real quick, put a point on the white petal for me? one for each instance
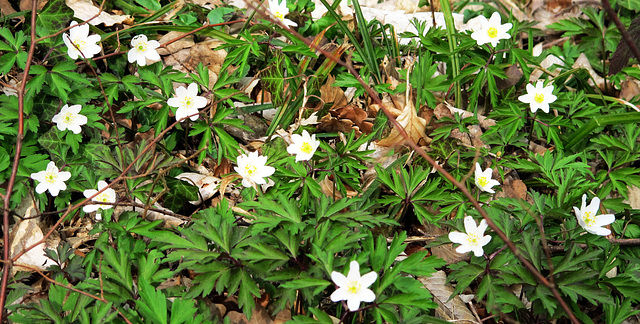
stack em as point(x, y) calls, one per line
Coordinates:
point(368, 279)
point(482, 227)
point(469, 225)
point(353, 303)
point(478, 251)
point(457, 237)
point(354, 271)
point(462, 249)
point(89, 192)
point(193, 89)
point(339, 279)
point(42, 187)
point(64, 175)
point(90, 208)
point(339, 294)
point(366, 295)
point(605, 219)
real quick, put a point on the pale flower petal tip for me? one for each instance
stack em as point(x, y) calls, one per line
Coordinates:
point(303, 146)
point(483, 179)
point(107, 196)
point(474, 240)
point(353, 288)
point(188, 102)
point(79, 43)
point(70, 118)
point(588, 220)
point(253, 169)
point(491, 31)
point(538, 97)
point(278, 9)
point(51, 179)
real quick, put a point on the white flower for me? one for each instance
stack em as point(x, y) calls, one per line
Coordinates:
point(474, 240)
point(85, 46)
point(491, 31)
point(187, 101)
point(108, 195)
point(483, 179)
point(51, 179)
point(353, 288)
point(538, 97)
point(252, 168)
point(589, 221)
point(142, 49)
point(69, 118)
point(303, 146)
point(279, 10)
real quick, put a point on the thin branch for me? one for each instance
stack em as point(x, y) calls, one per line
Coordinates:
point(16, 161)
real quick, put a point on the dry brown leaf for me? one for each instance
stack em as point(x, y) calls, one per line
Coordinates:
point(634, 197)
point(513, 188)
point(583, 62)
point(450, 310)
point(629, 88)
point(331, 94)
point(84, 9)
point(25, 234)
point(6, 8)
point(411, 123)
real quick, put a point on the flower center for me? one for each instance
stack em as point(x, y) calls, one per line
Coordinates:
point(538, 97)
point(306, 148)
point(353, 287)
point(68, 118)
point(279, 15)
point(187, 102)
point(492, 32)
point(589, 219)
point(80, 44)
point(482, 181)
point(142, 47)
point(250, 169)
point(472, 239)
point(102, 198)
point(50, 177)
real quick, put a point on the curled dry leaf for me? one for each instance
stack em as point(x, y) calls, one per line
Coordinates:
point(583, 62)
point(85, 9)
point(411, 123)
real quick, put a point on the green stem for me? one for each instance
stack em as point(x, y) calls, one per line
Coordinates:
point(451, 36)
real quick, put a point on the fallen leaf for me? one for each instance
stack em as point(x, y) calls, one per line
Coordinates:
point(207, 185)
point(411, 123)
point(84, 10)
point(450, 310)
point(25, 234)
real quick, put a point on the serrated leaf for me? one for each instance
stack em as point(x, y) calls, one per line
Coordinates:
point(54, 16)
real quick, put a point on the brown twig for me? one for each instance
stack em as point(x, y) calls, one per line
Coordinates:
point(16, 161)
point(374, 97)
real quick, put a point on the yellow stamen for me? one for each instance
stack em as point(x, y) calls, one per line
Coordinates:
point(306, 148)
point(250, 169)
point(472, 239)
point(589, 219)
point(353, 287)
point(538, 97)
point(492, 32)
point(482, 181)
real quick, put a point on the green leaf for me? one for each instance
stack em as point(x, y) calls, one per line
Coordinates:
point(182, 311)
point(54, 16)
point(150, 4)
point(153, 303)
